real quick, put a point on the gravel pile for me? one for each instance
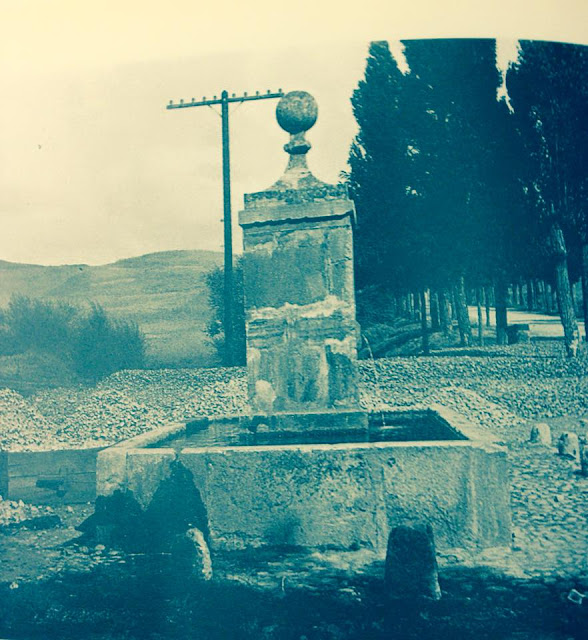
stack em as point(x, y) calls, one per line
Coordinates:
point(22, 424)
point(533, 381)
point(502, 389)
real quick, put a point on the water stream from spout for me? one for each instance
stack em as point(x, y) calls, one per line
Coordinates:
point(376, 376)
point(204, 563)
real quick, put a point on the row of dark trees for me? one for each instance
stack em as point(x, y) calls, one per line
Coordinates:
point(458, 191)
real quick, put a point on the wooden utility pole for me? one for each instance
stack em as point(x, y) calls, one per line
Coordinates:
point(224, 101)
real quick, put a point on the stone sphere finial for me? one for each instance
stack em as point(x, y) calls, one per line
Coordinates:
point(296, 112)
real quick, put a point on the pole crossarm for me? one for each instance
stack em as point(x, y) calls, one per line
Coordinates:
point(224, 101)
point(233, 98)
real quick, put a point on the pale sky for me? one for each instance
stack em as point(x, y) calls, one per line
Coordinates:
point(94, 168)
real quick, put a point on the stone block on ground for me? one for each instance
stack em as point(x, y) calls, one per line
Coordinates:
point(584, 458)
point(541, 434)
point(568, 445)
point(411, 563)
point(518, 333)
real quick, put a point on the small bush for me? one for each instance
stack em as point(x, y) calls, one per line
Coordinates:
point(103, 346)
point(36, 324)
point(89, 344)
point(215, 329)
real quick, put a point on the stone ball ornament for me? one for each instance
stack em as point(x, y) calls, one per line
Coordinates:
point(296, 112)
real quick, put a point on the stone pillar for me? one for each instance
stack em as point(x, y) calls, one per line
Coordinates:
point(299, 291)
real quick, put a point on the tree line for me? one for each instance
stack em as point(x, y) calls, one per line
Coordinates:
point(470, 180)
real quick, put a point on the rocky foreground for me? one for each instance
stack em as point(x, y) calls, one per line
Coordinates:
point(502, 388)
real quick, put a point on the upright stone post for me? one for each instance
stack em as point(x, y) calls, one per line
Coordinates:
point(299, 291)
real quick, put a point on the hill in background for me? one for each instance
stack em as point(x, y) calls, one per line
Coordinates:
point(164, 293)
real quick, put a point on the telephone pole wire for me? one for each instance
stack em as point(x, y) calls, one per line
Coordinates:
point(224, 101)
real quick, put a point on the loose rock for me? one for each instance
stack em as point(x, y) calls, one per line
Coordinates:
point(541, 434)
point(584, 459)
point(568, 445)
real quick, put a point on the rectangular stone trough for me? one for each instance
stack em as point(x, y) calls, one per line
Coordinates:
point(328, 490)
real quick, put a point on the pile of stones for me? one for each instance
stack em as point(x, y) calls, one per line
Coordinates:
point(502, 391)
point(21, 424)
point(14, 513)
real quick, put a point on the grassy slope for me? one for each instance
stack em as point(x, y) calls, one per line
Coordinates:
point(163, 292)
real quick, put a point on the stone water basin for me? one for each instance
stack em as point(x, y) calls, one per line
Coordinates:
point(385, 426)
point(327, 488)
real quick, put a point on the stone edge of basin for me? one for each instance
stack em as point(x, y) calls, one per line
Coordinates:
point(474, 436)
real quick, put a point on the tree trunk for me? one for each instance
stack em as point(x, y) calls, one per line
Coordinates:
point(501, 306)
point(444, 312)
point(585, 288)
point(417, 306)
point(463, 319)
point(393, 307)
point(404, 306)
point(532, 295)
point(487, 303)
point(564, 291)
point(541, 296)
point(549, 298)
point(434, 305)
point(424, 327)
point(480, 318)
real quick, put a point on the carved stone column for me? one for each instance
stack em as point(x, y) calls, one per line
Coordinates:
point(299, 291)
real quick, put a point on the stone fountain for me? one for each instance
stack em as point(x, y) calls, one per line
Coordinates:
point(307, 466)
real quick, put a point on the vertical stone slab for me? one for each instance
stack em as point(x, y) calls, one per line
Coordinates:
point(298, 278)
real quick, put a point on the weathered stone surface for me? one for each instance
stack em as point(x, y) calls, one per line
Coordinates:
point(300, 311)
point(541, 434)
point(349, 495)
point(411, 563)
point(146, 470)
point(297, 111)
point(164, 514)
point(111, 470)
point(568, 445)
